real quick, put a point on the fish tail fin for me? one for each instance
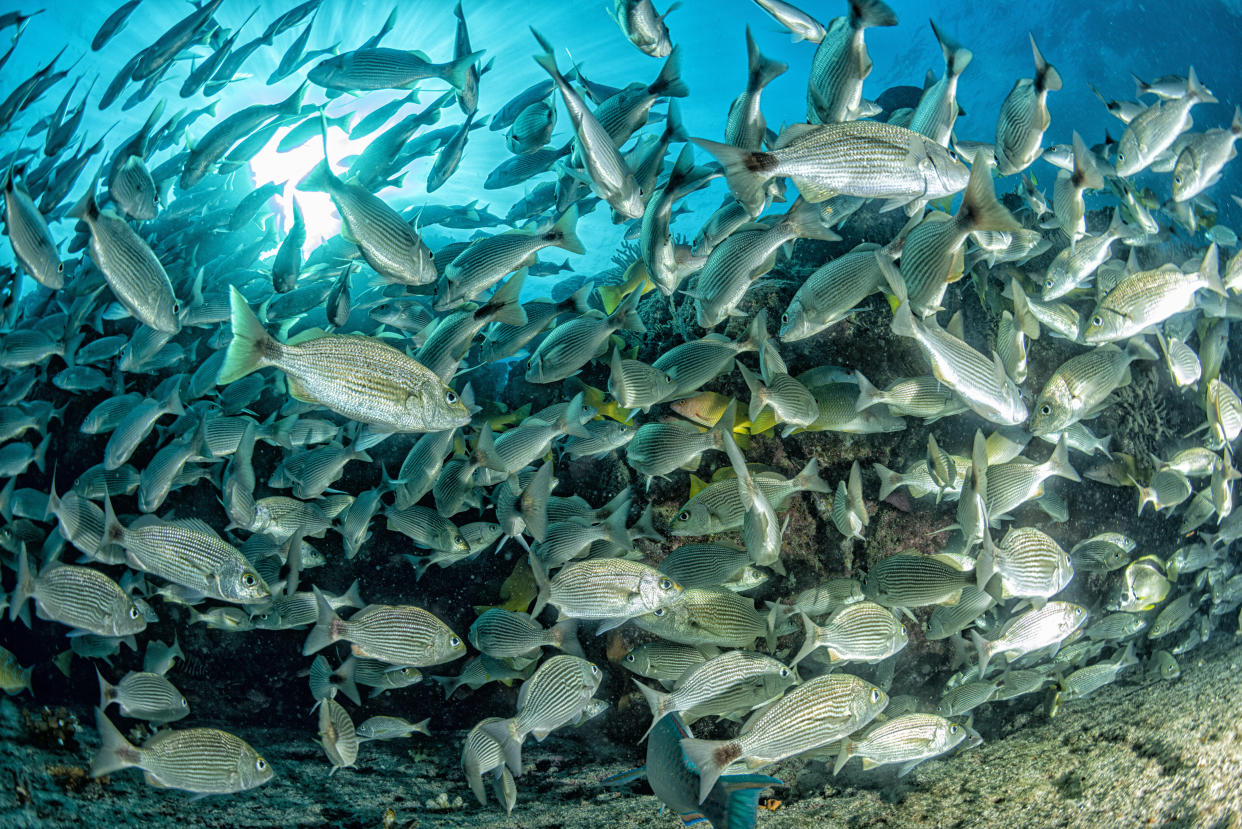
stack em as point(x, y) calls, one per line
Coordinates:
point(657, 701)
point(564, 635)
point(293, 104)
point(318, 179)
point(547, 59)
point(543, 584)
point(326, 629)
point(756, 334)
point(867, 393)
point(577, 416)
point(889, 480)
point(107, 691)
point(1198, 91)
point(724, 425)
point(1235, 126)
point(85, 209)
point(758, 394)
point(251, 347)
point(668, 84)
point(505, 732)
point(564, 233)
point(746, 172)
point(1085, 172)
point(805, 219)
point(760, 70)
point(983, 647)
point(711, 757)
point(867, 13)
point(843, 756)
point(113, 532)
point(810, 639)
point(25, 586)
point(956, 56)
point(626, 314)
point(674, 127)
point(1127, 658)
point(535, 510)
point(347, 683)
point(505, 305)
point(1209, 270)
point(980, 210)
point(457, 73)
point(1059, 463)
point(985, 565)
point(116, 752)
point(1046, 75)
point(320, 678)
point(808, 479)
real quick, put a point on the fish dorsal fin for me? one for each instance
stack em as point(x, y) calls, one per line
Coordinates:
point(956, 327)
point(791, 133)
point(194, 524)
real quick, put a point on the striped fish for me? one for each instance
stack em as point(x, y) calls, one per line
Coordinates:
point(505, 634)
point(924, 397)
point(385, 240)
point(704, 565)
point(663, 661)
point(426, 528)
point(131, 268)
point(357, 377)
point(1067, 201)
point(981, 383)
point(909, 739)
point(1010, 485)
point(228, 131)
point(1074, 265)
point(859, 632)
point(337, 735)
point(554, 696)
point(636, 385)
point(831, 293)
point(187, 552)
point(199, 760)
point(868, 159)
point(947, 620)
point(1081, 384)
point(482, 755)
point(735, 264)
point(841, 63)
point(571, 345)
point(731, 684)
point(1028, 562)
point(1024, 117)
point(612, 590)
point(1035, 629)
point(967, 697)
point(658, 448)
point(937, 109)
point(382, 68)
point(718, 507)
point(1011, 346)
point(708, 616)
point(486, 261)
point(28, 233)
point(746, 126)
point(915, 580)
point(1147, 298)
point(397, 634)
point(693, 363)
point(145, 696)
point(82, 598)
point(811, 716)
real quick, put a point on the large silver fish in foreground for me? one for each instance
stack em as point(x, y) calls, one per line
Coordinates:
point(358, 377)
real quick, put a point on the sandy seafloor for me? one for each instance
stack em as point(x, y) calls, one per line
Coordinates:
point(1142, 752)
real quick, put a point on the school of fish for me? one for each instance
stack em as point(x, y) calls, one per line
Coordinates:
point(162, 337)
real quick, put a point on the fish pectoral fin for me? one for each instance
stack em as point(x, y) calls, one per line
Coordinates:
point(606, 625)
point(298, 391)
point(811, 190)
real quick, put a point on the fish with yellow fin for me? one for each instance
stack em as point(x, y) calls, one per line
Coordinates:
point(635, 278)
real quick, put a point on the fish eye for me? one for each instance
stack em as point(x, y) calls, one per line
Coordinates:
point(875, 695)
point(903, 630)
point(260, 764)
point(184, 704)
point(785, 317)
point(666, 584)
point(594, 669)
point(1097, 320)
point(684, 515)
point(60, 267)
point(629, 657)
point(784, 672)
point(133, 612)
point(176, 308)
point(659, 612)
point(1048, 282)
point(1045, 409)
point(953, 729)
point(454, 642)
point(248, 579)
point(450, 397)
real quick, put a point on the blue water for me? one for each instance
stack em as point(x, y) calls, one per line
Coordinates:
point(1095, 42)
